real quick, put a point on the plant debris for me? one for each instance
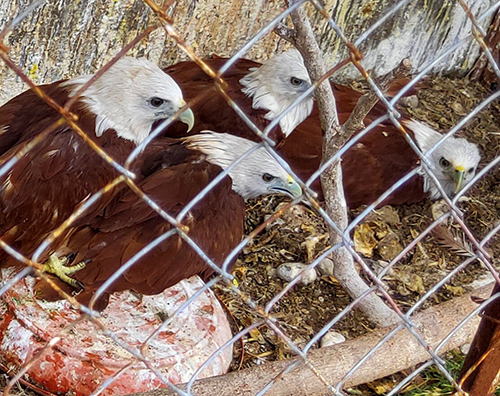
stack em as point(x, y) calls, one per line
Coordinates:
point(300, 235)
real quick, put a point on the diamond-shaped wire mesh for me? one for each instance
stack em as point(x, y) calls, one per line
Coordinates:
point(272, 353)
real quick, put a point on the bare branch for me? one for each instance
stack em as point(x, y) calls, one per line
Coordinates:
point(331, 178)
point(285, 33)
point(313, 60)
point(367, 101)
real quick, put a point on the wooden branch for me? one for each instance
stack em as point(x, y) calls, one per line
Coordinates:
point(366, 103)
point(285, 33)
point(307, 45)
point(488, 370)
point(480, 372)
point(482, 70)
point(331, 178)
point(400, 352)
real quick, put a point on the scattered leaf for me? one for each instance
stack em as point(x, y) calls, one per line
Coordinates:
point(364, 240)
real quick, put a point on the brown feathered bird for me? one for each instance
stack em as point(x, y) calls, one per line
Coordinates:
point(172, 173)
point(370, 167)
point(262, 92)
point(43, 188)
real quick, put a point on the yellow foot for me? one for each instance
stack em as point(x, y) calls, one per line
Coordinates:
point(57, 266)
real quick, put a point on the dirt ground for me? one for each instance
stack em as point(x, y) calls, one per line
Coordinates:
point(302, 312)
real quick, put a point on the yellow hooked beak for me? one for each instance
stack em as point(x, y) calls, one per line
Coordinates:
point(294, 188)
point(458, 177)
point(290, 187)
point(187, 117)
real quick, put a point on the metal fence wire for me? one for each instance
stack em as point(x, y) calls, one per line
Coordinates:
point(303, 368)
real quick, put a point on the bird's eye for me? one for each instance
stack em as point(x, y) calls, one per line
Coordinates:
point(267, 177)
point(444, 162)
point(156, 102)
point(471, 171)
point(296, 81)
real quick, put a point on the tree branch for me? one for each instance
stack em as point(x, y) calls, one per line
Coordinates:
point(366, 103)
point(285, 33)
point(331, 178)
point(401, 352)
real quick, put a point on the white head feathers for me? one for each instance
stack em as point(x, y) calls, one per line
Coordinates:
point(130, 97)
point(454, 162)
point(255, 175)
point(276, 85)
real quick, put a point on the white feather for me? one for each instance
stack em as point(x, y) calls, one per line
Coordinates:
point(459, 152)
point(223, 149)
point(120, 97)
point(270, 88)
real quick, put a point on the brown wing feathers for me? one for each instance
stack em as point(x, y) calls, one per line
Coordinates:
point(130, 224)
point(370, 167)
point(382, 156)
point(45, 185)
point(211, 108)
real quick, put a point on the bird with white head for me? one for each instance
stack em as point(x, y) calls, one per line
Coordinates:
point(117, 111)
point(370, 167)
point(282, 79)
point(130, 97)
point(224, 149)
point(276, 85)
point(174, 172)
point(453, 162)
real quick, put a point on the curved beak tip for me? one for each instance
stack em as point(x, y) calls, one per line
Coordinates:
point(187, 117)
point(295, 190)
point(290, 188)
point(458, 177)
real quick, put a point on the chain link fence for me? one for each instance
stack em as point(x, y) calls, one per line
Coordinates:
point(424, 330)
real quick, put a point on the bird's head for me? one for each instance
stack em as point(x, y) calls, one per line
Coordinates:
point(130, 97)
point(257, 174)
point(454, 162)
point(276, 84)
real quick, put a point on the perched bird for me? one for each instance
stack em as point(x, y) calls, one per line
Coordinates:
point(377, 161)
point(262, 91)
point(173, 172)
point(46, 184)
point(382, 157)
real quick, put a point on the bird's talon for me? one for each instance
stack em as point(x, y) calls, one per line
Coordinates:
point(56, 266)
point(71, 257)
point(78, 285)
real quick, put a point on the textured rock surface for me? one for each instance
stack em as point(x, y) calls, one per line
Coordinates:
point(65, 38)
point(289, 271)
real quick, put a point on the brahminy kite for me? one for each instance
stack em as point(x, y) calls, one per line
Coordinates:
point(377, 161)
point(173, 172)
point(43, 188)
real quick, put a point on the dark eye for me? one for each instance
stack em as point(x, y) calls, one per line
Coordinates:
point(471, 170)
point(444, 162)
point(296, 81)
point(156, 102)
point(267, 177)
